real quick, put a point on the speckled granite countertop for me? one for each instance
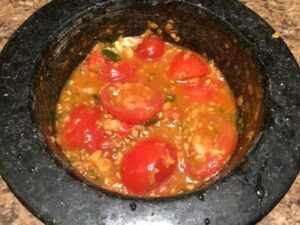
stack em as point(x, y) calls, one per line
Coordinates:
point(283, 15)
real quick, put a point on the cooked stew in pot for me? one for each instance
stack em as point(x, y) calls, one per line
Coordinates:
point(144, 117)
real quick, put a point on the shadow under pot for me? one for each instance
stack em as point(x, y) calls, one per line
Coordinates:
point(215, 40)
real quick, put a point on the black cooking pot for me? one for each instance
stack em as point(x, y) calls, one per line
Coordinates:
point(260, 69)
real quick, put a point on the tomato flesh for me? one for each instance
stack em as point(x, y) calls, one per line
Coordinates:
point(107, 70)
point(210, 165)
point(133, 103)
point(212, 144)
point(147, 165)
point(187, 65)
point(81, 130)
point(98, 64)
point(125, 129)
point(151, 48)
point(204, 89)
point(120, 72)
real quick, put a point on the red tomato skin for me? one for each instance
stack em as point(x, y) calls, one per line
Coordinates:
point(81, 130)
point(121, 71)
point(210, 167)
point(202, 90)
point(213, 162)
point(98, 64)
point(125, 129)
point(228, 140)
point(151, 48)
point(132, 116)
point(140, 163)
point(187, 65)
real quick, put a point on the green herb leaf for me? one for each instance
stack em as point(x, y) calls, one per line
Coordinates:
point(57, 117)
point(170, 98)
point(96, 179)
point(151, 121)
point(240, 124)
point(96, 98)
point(111, 55)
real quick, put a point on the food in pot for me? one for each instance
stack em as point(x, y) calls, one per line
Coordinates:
point(144, 117)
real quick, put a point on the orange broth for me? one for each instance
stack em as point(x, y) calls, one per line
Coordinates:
point(183, 121)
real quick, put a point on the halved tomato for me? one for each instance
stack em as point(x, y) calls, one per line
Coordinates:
point(81, 130)
point(98, 64)
point(209, 165)
point(109, 71)
point(121, 71)
point(187, 65)
point(133, 103)
point(147, 165)
point(203, 89)
point(212, 144)
point(151, 48)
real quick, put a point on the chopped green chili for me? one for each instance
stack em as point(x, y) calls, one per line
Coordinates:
point(96, 98)
point(170, 98)
point(240, 124)
point(111, 55)
point(152, 121)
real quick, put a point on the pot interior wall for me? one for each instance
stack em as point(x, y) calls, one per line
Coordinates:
point(197, 30)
